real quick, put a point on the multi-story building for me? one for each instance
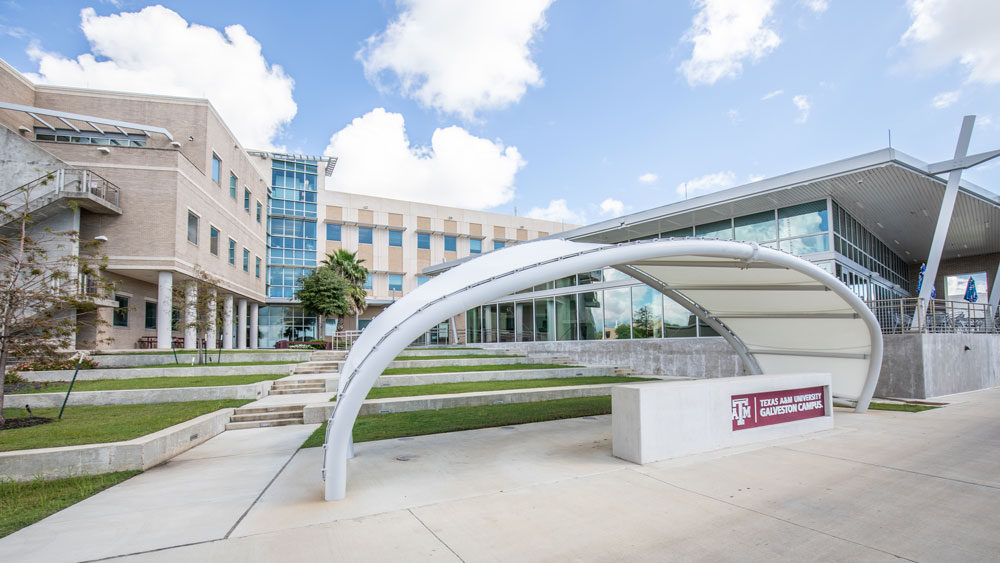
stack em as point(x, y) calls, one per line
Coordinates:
point(163, 181)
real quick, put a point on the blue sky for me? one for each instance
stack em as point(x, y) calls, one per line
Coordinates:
point(552, 108)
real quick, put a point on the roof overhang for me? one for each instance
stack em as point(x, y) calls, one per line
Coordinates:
point(94, 123)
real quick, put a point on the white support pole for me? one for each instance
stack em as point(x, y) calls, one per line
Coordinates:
point(994, 302)
point(190, 316)
point(164, 309)
point(210, 332)
point(943, 222)
point(241, 324)
point(253, 325)
point(227, 323)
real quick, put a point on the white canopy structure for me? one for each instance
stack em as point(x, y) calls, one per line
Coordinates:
point(780, 313)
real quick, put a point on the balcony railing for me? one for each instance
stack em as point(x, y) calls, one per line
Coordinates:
point(897, 316)
point(68, 182)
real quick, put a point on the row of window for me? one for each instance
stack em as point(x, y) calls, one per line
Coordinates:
point(106, 138)
point(857, 243)
point(233, 185)
point(365, 236)
point(193, 233)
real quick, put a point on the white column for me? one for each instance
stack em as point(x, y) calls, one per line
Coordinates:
point(253, 325)
point(190, 316)
point(991, 311)
point(164, 308)
point(210, 332)
point(227, 323)
point(943, 222)
point(241, 324)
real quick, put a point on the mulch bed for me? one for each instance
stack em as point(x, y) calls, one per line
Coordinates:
point(24, 422)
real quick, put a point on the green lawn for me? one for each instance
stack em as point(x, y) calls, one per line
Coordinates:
point(212, 352)
point(452, 369)
point(456, 357)
point(94, 425)
point(148, 383)
point(900, 407)
point(418, 423)
point(471, 386)
point(220, 364)
point(23, 504)
point(443, 348)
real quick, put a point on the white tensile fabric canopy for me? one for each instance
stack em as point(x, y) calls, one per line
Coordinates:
point(781, 314)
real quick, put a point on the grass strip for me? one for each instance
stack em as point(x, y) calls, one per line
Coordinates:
point(145, 383)
point(454, 369)
point(456, 357)
point(443, 348)
point(418, 423)
point(472, 386)
point(168, 352)
point(220, 364)
point(903, 407)
point(97, 425)
point(23, 504)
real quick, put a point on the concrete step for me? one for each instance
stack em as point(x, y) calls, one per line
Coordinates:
point(625, 372)
point(290, 415)
point(274, 409)
point(262, 424)
point(299, 391)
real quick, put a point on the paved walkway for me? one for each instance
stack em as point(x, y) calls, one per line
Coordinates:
point(880, 487)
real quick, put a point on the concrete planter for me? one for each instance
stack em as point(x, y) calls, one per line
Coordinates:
point(251, 391)
point(92, 459)
point(432, 362)
point(136, 373)
point(140, 360)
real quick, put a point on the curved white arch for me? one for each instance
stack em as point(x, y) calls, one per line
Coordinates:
point(706, 271)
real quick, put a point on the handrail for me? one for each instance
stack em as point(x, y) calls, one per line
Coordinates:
point(896, 316)
point(69, 181)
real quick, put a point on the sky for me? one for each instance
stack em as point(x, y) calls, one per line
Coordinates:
point(570, 110)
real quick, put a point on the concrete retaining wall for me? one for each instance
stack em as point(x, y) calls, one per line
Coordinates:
point(688, 357)
point(139, 360)
point(252, 391)
point(320, 413)
point(921, 366)
point(448, 352)
point(510, 375)
point(498, 361)
point(92, 459)
point(136, 373)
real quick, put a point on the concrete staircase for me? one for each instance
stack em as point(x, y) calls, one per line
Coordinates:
point(625, 372)
point(261, 417)
point(297, 386)
point(328, 356)
point(313, 367)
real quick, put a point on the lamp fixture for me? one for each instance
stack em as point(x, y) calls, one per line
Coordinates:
point(175, 144)
point(104, 150)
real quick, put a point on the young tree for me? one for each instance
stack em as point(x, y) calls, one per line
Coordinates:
point(48, 282)
point(205, 309)
point(351, 269)
point(325, 293)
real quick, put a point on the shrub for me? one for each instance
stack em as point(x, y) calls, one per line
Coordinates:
point(54, 364)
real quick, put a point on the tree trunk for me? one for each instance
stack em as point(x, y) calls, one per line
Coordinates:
point(3, 372)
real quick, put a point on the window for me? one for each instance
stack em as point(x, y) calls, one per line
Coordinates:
point(333, 232)
point(475, 246)
point(246, 200)
point(192, 228)
point(150, 315)
point(424, 240)
point(246, 260)
point(260, 211)
point(232, 252)
point(216, 168)
point(719, 229)
point(364, 235)
point(395, 238)
point(760, 227)
point(498, 244)
point(256, 266)
point(421, 280)
point(804, 219)
point(368, 282)
point(232, 185)
point(213, 240)
point(450, 243)
point(363, 323)
point(395, 282)
point(120, 315)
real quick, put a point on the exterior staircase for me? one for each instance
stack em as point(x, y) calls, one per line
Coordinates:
point(625, 372)
point(262, 417)
point(297, 386)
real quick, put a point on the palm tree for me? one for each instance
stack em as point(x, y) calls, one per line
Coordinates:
point(351, 268)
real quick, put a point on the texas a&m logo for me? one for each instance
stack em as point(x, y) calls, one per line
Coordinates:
point(741, 410)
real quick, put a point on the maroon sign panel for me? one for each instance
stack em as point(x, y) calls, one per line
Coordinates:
point(775, 407)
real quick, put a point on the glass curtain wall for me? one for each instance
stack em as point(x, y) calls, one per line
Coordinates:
point(591, 315)
point(545, 318)
point(618, 312)
point(474, 326)
point(524, 321)
point(566, 322)
point(506, 322)
point(647, 312)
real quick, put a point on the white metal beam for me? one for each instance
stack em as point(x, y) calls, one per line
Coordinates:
point(944, 221)
point(994, 301)
point(32, 111)
point(961, 163)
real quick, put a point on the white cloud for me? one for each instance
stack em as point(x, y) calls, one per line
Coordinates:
point(649, 178)
point(818, 6)
point(734, 116)
point(802, 104)
point(945, 99)
point(375, 157)
point(963, 30)
point(459, 56)
point(707, 183)
point(725, 33)
point(772, 94)
point(613, 207)
point(557, 211)
point(156, 51)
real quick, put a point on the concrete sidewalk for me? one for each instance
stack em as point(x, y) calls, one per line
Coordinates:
point(880, 487)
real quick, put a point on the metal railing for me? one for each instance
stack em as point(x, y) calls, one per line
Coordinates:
point(65, 181)
point(344, 340)
point(896, 316)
